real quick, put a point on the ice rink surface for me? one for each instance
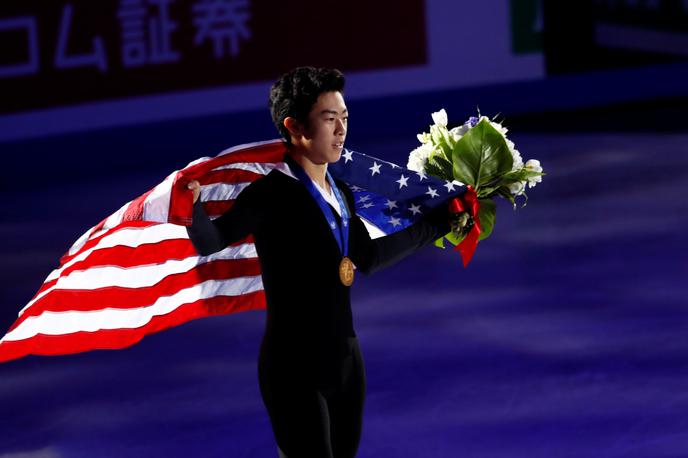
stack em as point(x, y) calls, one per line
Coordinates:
point(565, 337)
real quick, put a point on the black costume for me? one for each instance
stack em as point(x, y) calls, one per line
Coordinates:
point(311, 372)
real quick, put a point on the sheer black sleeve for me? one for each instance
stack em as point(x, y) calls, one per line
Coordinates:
point(370, 255)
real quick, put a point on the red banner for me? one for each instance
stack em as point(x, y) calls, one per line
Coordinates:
point(66, 52)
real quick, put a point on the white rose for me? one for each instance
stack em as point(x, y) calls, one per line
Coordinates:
point(440, 118)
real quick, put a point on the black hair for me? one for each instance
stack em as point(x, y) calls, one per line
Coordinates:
point(295, 93)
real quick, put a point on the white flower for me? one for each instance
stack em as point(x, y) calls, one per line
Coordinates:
point(517, 188)
point(419, 157)
point(534, 166)
point(423, 138)
point(518, 160)
point(498, 127)
point(440, 118)
point(457, 132)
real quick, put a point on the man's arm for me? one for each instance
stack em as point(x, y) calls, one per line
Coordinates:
point(238, 222)
point(370, 255)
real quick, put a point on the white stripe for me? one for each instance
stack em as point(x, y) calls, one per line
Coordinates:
point(262, 168)
point(81, 241)
point(247, 145)
point(144, 276)
point(221, 191)
point(374, 231)
point(113, 220)
point(243, 251)
point(132, 237)
point(57, 323)
point(197, 161)
point(156, 207)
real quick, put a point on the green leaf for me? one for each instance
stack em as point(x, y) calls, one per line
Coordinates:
point(487, 215)
point(481, 156)
point(444, 165)
point(431, 168)
point(439, 243)
point(453, 239)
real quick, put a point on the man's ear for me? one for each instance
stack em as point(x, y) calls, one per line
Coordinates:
point(294, 126)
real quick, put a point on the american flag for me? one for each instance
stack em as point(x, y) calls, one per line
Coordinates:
point(136, 272)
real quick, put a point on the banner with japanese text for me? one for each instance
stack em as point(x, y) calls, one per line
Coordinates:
point(68, 52)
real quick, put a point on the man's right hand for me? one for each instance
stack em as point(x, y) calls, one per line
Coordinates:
point(196, 187)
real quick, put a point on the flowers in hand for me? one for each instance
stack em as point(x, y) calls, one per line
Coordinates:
point(477, 153)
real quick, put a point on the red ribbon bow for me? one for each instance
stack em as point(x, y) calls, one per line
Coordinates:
point(470, 204)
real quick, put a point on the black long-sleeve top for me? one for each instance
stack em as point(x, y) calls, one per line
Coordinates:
point(308, 308)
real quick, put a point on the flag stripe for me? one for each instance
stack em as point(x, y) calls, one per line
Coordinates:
point(94, 240)
point(111, 339)
point(55, 323)
point(129, 298)
point(142, 276)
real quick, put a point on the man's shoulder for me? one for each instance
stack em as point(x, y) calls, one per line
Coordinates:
point(273, 181)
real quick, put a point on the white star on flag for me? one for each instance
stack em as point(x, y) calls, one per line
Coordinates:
point(394, 221)
point(402, 181)
point(355, 188)
point(368, 205)
point(415, 209)
point(431, 192)
point(375, 168)
point(363, 199)
point(449, 185)
point(391, 204)
point(421, 175)
point(348, 156)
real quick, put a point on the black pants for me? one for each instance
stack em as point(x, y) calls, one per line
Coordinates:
point(313, 420)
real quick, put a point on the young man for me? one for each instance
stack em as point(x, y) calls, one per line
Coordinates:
point(309, 240)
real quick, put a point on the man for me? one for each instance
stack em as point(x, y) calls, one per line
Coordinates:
point(309, 240)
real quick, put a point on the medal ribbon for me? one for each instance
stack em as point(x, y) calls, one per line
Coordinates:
point(341, 234)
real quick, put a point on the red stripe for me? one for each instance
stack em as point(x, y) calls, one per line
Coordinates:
point(125, 256)
point(121, 338)
point(94, 241)
point(134, 211)
point(61, 300)
point(217, 207)
point(267, 153)
point(43, 287)
point(229, 176)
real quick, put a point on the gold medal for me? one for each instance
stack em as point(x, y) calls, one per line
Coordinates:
point(346, 271)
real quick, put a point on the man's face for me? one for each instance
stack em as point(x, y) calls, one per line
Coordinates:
point(323, 137)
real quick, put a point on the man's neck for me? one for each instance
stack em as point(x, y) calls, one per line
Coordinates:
point(316, 172)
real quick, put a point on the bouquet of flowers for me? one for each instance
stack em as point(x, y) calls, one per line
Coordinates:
point(479, 155)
